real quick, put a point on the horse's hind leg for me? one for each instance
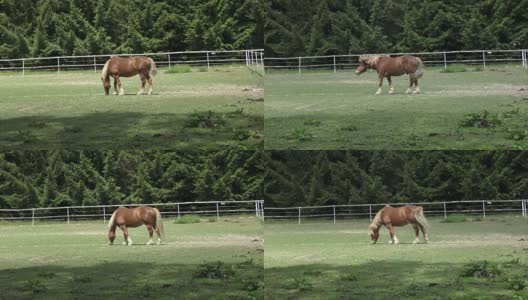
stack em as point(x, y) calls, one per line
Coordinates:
point(416, 88)
point(391, 88)
point(416, 233)
point(158, 233)
point(411, 80)
point(143, 82)
point(151, 232)
point(426, 238)
point(150, 83)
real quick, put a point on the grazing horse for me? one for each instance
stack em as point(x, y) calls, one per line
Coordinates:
point(399, 216)
point(118, 67)
point(387, 66)
point(134, 217)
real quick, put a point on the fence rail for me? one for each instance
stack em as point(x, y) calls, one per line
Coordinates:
point(444, 209)
point(252, 58)
point(482, 58)
point(103, 212)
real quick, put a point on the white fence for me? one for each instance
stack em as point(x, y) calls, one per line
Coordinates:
point(482, 208)
point(103, 212)
point(252, 58)
point(483, 58)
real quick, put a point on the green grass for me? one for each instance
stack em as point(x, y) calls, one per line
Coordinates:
point(44, 110)
point(61, 261)
point(471, 260)
point(428, 121)
point(454, 69)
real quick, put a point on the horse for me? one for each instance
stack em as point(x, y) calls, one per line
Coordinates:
point(399, 216)
point(118, 67)
point(134, 217)
point(387, 66)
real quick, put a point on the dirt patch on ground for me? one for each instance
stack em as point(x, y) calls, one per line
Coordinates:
point(224, 240)
point(220, 90)
point(488, 90)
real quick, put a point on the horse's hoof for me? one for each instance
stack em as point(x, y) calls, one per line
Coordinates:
point(415, 242)
point(150, 93)
point(124, 243)
point(115, 94)
point(391, 92)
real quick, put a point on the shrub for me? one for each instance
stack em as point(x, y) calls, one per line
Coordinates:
point(188, 219)
point(301, 134)
point(481, 269)
point(208, 119)
point(301, 284)
point(214, 270)
point(36, 286)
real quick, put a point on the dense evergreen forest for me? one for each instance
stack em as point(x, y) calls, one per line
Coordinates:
point(300, 178)
point(81, 27)
point(63, 178)
point(326, 27)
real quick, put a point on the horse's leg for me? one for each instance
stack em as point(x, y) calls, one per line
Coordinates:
point(416, 233)
point(128, 240)
point(391, 88)
point(121, 91)
point(394, 239)
point(143, 81)
point(409, 90)
point(116, 92)
point(150, 83)
point(380, 82)
point(426, 238)
point(416, 88)
point(151, 232)
point(158, 233)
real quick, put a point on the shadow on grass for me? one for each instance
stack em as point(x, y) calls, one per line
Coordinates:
point(119, 280)
point(131, 130)
point(387, 280)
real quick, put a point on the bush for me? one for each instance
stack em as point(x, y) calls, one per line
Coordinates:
point(208, 119)
point(214, 270)
point(484, 120)
point(480, 270)
point(36, 286)
point(454, 69)
point(188, 219)
point(179, 69)
point(301, 134)
point(301, 284)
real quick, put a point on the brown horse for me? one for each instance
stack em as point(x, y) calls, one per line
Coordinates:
point(387, 66)
point(127, 67)
point(133, 217)
point(399, 216)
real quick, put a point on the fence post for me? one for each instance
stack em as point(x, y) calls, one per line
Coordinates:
point(23, 67)
point(484, 58)
point(262, 62)
point(256, 210)
point(178, 210)
point(208, 61)
point(335, 64)
point(484, 209)
point(445, 61)
point(33, 217)
point(168, 55)
point(299, 66)
point(445, 212)
point(370, 213)
point(299, 216)
point(58, 64)
point(334, 215)
point(217, 212)
point(95, 65)
point(104, 215)
point(68, 214)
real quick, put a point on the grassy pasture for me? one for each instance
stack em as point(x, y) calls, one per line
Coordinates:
point(209, 110)
point(469, 260)
point(219, 260)
point(327, 111)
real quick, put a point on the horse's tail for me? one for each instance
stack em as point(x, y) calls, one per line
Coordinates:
point(419, 70)
point(159, 222)
point(420, 218)
point(104, 74)
point(153, 69)
point(112, 220)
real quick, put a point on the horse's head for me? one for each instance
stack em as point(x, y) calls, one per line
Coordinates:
point(106, 85)
point(111, 235)
point(363, 65)
point(374, 233)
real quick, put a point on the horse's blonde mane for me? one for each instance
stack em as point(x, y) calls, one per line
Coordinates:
point(104, 73)
point(370, 59)
point(111, 222)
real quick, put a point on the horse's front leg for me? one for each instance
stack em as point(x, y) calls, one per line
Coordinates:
point(121, 90)
point(151, 232)
point(158, 233)
point(416, 234)
point(380, 82)
point(391, 88)
point(128, 240)
point(150, 84)
point(411, 80)
point(416, 88)
point(394, 239)
point(116, 92)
